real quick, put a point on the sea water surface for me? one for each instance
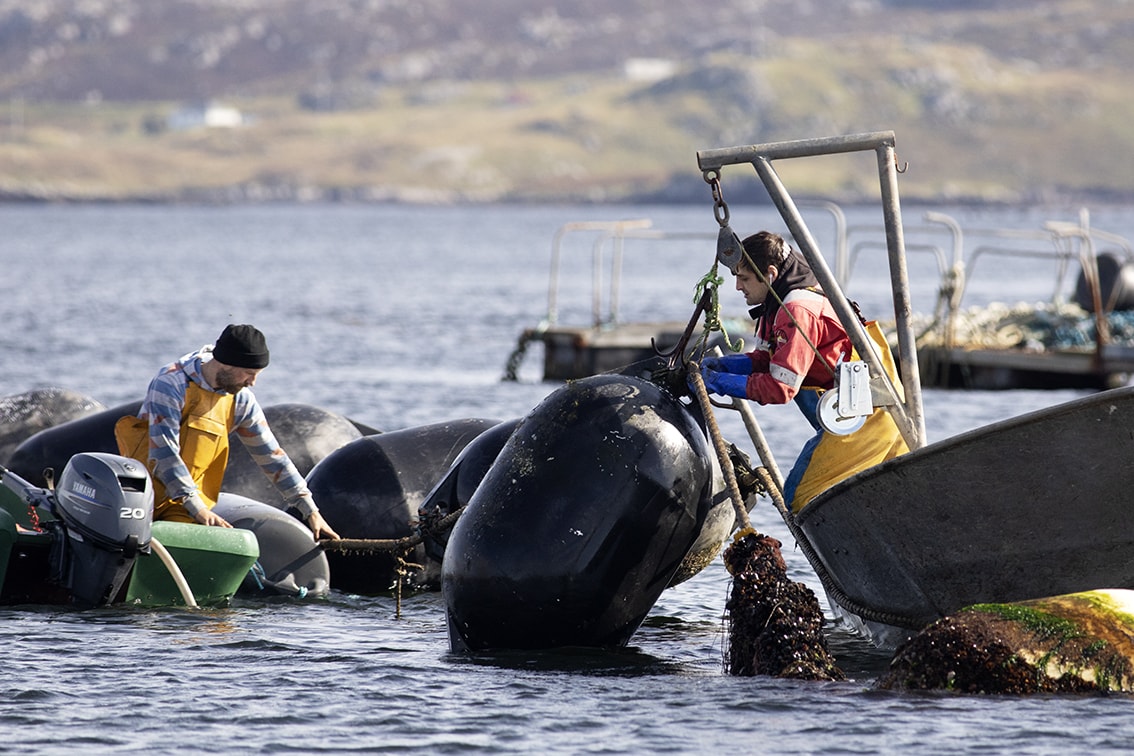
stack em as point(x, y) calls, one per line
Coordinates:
point(401, 316)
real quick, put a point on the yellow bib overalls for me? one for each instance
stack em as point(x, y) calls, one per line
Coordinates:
point(205, 422)
point(838, 457)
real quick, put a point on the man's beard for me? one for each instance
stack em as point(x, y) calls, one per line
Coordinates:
point(227, 382)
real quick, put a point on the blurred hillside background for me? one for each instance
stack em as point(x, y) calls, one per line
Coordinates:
point(527, 100)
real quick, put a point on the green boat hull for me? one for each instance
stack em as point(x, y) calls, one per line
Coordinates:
point(214, 562)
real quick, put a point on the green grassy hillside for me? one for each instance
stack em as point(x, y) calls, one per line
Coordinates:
point(1011, 104)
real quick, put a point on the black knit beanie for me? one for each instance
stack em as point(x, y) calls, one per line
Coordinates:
point(241, 346)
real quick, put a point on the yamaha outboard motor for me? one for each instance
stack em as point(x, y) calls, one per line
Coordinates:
point(106, 504)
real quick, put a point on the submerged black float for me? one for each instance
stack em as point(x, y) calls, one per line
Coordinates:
point(372, 488)
point(582, 521)
point(23, 415)
point(53, 447)
point(307, 433)
point(453, 492)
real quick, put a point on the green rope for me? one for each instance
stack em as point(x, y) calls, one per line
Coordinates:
point(712, 281)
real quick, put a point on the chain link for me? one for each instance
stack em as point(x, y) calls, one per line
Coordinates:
point(720, 207)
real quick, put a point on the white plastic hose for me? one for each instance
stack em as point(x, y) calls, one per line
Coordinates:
point(174, 572)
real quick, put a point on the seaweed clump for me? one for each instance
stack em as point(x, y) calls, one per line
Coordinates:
point(775, 625)
point(1007, 649)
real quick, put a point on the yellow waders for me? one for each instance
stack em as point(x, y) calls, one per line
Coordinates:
point(205, 423)
point(837, 457)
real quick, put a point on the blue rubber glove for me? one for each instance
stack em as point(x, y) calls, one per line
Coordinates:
point(725, 384)
point(740, 364)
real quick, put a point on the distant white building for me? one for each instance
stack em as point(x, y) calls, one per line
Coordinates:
point(210, 115)
point(648, 69)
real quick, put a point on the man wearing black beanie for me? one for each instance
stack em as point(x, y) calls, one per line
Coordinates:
point(182, 432)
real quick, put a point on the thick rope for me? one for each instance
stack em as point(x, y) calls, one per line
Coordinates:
point(399, 547)
point(722, 451)
point(375, 545)
point(402, 571)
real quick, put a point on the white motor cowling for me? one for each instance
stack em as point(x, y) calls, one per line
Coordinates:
point(106, 504)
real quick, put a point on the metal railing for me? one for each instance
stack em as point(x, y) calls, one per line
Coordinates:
point(906, 410)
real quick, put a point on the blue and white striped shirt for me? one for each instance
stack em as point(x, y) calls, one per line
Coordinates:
point(163, 406)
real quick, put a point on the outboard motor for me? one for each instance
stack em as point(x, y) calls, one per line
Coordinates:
point(106, 504)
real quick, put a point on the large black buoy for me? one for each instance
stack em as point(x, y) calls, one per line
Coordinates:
point(51, 448)
point(581, 522)
point(308, 434)
point(371, 488)
point(1116, 285)
point(450, 496)
point(23, 415)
